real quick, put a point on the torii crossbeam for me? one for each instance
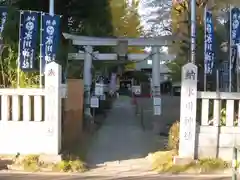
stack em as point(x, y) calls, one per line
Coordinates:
point(122, 44)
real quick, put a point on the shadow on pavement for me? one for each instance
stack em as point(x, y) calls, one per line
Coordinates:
point(170, 113)
point(121, 137)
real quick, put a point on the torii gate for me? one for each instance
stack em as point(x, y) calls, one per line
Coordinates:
point(122, 46)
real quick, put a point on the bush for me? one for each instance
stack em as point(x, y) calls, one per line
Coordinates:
point(173, 136)
point(70, 166)
point(32, 163)
point(162, 162)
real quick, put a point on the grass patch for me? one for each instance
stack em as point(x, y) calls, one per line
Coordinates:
point(32, 163)
point(210, 164)
point(162, 162)
point(70, 166)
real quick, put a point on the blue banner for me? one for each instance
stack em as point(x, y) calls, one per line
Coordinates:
point(235, 34)
point(3, 14)
point(50, 38)
point(224, 75)
point(209, 43)
point(235, 16)
point(28, 40)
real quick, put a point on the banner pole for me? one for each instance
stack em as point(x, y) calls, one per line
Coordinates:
point(41, 57)
point(230, 49)
point(19, 52)
point(205, 74)
point(51, 7)
point(193, 31)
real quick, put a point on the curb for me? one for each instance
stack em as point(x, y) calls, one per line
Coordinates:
point(90, 174)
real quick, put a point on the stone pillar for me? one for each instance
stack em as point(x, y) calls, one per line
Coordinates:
point(87, 78)
point(156, 82)
point(187, 136)
point(53, 105)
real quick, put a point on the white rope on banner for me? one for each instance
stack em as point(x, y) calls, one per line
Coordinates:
point(19, 52)
point(41, 57)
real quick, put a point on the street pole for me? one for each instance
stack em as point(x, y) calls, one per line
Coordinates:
point(205, 73)
point(87, 78)
point(193, 31)
point(51, 12)
point(51, 7)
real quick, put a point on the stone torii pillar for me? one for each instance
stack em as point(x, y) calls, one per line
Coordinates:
point(121, 44)
point(156, 91)
point(87, 79)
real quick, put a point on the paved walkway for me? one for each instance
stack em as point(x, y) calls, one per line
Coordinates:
point(170, 113)
point(121, 145)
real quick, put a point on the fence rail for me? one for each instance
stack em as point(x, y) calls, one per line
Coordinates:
point(219, 108)
point(30, 118)
point(27, 107)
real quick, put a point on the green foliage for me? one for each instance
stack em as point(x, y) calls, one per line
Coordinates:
point(181, 28)
point(33, 163)
point(8, 72)
point(173, 136)
point(30, 163)
point(212, 164)
point(9, 56)
point(176, 67)
point(222, 114)
point(163, 163)
point(70, 166)
point(125, 18)
point(11, 29)
point(126, 22)
point(223, 118)
point(86, 18)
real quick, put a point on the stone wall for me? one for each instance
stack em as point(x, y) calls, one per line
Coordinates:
point(217, 141)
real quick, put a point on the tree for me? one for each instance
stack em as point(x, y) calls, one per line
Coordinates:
point(80, 17)
point(126, 22)
point(181, 24)
point(179, 17)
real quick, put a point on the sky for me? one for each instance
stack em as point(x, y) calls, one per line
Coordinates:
point(144, 12)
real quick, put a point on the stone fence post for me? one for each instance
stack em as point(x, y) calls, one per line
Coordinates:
point(187, 136)
point(53, 80)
